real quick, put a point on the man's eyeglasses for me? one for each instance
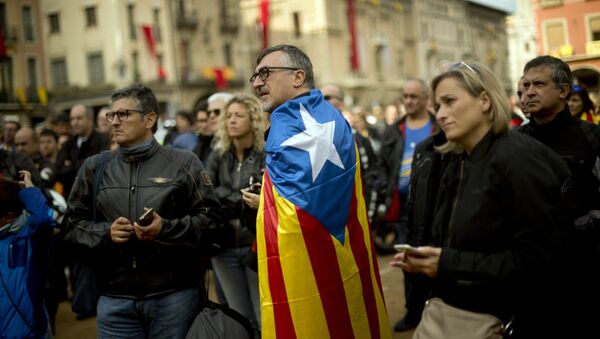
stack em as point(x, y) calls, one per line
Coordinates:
point(264, 73)
point(122, 115)
point(329, 97)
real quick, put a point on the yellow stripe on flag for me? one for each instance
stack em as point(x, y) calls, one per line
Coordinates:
point(302, 292)
point(362, 217)
point(266, 309)
point(352, 288)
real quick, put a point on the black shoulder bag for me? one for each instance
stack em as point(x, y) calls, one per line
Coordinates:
point(86, 290)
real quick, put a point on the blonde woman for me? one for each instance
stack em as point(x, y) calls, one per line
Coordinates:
point(236, 163)
point(494, 234)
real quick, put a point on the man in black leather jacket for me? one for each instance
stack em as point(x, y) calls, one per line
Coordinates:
point(151, 274)
point(546, 88)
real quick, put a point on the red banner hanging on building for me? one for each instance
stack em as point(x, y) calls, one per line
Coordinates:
point(3, 53)
point(220, 80)
point(353, 41)
point(264, 22)
point(149, 35)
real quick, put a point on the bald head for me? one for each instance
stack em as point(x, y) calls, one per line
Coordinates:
point(26, 141)
point(101, 122)
point(82, 120)
point(334, 95)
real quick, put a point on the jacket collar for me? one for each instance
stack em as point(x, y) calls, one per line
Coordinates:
point(552, 128)
point(140, 152)
point(482, 147)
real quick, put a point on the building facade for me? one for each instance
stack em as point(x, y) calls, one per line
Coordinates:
point(188, 49)
point(22, 66)
point(570, 29)
point(522, 43)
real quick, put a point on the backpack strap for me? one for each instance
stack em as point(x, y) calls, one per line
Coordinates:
point(97, 177)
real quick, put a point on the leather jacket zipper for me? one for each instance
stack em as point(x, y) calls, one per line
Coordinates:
point(134, 203)
point(458, 189)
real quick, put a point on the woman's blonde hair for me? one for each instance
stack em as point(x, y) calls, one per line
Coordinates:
point(257, 120)
point(476, 79)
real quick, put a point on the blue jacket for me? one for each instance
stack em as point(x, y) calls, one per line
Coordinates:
point(22, 252)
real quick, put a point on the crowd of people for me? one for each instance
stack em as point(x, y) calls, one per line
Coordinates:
point(499, 203)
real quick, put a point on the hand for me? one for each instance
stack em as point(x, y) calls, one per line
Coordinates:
point(26, 175)
point(427, 262)
point(251, 199)
point(121, 230)
point(149, 233)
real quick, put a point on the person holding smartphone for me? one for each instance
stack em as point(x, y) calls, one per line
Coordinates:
point(147, 269)
point(500, 210)
point(235, 166)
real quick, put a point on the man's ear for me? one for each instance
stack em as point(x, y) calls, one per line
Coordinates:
point(299, 77)
point(150, 119)
point(565, 89)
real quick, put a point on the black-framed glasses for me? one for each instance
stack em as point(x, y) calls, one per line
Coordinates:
point(264, 72)
point(329, 97)
point(122, 114)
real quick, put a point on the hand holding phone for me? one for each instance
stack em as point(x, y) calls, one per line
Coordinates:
point(410, 250)
point(146, 218)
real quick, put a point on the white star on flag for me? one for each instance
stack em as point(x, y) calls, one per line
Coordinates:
point(317, 140)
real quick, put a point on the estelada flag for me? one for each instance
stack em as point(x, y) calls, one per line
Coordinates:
point(317, 268)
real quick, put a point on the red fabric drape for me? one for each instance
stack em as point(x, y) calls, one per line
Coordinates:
point(353, 43)
point(149, 35)
point(220, 80)
point(264, 22)
point(3, 53)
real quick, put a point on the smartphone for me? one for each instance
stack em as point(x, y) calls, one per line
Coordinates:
point(146, 218)
point(408, 249)
point(253, 187)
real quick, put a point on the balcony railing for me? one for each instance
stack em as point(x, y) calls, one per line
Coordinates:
point(230, 24)
point(11, 36)
point(551, 3)
point(187, 20)
point(592, 47)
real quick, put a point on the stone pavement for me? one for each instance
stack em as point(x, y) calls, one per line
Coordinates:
point(67, 327)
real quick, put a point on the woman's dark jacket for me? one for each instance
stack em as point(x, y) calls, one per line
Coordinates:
point(171, 181)
point(230, 176)
point(499, 215)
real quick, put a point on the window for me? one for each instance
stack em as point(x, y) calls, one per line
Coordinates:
point(90, 16)
point(135, 66)
point(32, 77)
point(6, 80)
point(27, 17)
point(594, 24)
point(228, 54)
point(3, 26)
point(157, 24)
point(96, 68)
point(131, 21)
point(297, 28)
point(58, 69)
point(556, 36)
point(54, 21)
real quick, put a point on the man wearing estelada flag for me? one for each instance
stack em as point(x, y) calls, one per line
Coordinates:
point(318, 271)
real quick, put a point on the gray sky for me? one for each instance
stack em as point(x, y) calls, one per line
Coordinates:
point(509, 6)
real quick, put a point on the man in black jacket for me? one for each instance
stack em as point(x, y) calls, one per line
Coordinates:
point(398, 146)
point(84, 143)
point(151, 273)
point(546, 86)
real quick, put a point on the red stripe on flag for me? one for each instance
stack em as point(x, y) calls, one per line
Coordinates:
point(323, 259)
point(361, 255)
point(284, 326)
